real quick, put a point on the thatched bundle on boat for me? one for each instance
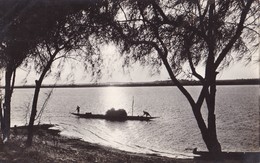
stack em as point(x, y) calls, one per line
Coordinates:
point(116, 114)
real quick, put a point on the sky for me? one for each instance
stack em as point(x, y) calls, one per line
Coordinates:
point(114, 72)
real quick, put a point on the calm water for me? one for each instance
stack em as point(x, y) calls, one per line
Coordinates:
point(175, 132)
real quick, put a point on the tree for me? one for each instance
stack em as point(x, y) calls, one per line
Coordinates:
point(22, 30)
point(63, 40)
point(174, 33)
point(16, 41)
point(11, 65)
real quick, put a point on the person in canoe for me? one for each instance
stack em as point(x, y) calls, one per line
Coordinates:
point(78, 109)
point(146, 114)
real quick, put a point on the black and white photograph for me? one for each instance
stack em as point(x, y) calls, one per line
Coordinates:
point(129, 81)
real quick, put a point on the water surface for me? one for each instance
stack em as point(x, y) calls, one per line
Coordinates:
point(175, 132)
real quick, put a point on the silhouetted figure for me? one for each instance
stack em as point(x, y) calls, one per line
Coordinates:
point(195, 150)
point(78, 109)
point(15, 130)
point(146, 114)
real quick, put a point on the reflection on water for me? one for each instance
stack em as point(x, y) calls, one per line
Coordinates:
point(175, 131)
point(113, 96)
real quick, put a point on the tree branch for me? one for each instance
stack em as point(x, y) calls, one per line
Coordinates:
point(48, 48)
point(168, 67)
point(158, 8)
point(236, 36)
point(193, 70)
point(123, 11)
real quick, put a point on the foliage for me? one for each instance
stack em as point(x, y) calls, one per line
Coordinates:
point(178, 33)
point(180, 29)
point(36, 28)
point(65, 36)
point(15, 37)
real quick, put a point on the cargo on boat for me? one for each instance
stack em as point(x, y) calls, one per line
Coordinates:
point(114, 115)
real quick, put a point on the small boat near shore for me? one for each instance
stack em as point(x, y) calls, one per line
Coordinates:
point(113, 118)
point(115, 115)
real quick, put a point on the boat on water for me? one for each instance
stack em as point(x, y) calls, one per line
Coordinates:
point(113, 118)
point(115, 115)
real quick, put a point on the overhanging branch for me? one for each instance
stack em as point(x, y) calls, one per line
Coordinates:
point(236, 36)
point(168, 67)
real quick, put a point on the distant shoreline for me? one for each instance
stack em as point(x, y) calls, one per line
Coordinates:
point(147, 84)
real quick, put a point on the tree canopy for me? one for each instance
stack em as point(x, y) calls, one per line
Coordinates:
point(185, 32)
point(26, 26)
point(188, 34)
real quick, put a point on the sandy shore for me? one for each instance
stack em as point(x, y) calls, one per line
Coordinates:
point(49, 146)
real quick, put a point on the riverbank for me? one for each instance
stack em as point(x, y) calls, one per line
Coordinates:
point(49, 146)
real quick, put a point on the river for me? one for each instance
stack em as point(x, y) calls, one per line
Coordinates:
point(174, 133)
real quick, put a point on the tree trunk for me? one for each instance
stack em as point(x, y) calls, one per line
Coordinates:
point(33, 112)
point(1, 116)
point(7, 103)
point(201, 124)
point(211, 140)
point(208, 133)
point(13, 81)
point(38, 84)
point(1, 112)
point(215, 147)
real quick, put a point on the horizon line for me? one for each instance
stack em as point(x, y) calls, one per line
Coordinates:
point(184, 82)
